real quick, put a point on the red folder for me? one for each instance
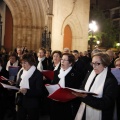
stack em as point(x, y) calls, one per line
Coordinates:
point(62, 95)
point(58, 93)
point(49, 74)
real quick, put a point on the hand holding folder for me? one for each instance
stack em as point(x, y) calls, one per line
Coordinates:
point(9, 86)
point(6, 81)
point(3, 78)
point(57, 93)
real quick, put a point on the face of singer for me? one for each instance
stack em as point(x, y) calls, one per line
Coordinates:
point(56, 58)
point(97, 64)
point(41, 54)
point(76, 55)
point(65, 62)
point(12, 59)
point(117, 64)
point(47, 54)
point(26, 65)
point(19, 51)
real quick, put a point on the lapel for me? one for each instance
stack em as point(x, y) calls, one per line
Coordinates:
point(70, 77)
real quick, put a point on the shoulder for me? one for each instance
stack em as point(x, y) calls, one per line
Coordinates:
point(73, 73)
point(56, 72)
point(110, 79)
point(46, 59)
point(110, 75)
point(37, 73)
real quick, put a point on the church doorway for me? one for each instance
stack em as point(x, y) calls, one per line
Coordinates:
point(67, 42)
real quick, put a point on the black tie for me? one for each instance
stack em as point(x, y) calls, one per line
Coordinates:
point(11, 64)
point(92, 82)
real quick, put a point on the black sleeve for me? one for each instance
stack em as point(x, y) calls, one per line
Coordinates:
point(108, 98)
point(36, 86)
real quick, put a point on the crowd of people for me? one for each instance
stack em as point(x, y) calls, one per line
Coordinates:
point(74, 69)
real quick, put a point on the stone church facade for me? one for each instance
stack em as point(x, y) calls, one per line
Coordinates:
point(67, 21)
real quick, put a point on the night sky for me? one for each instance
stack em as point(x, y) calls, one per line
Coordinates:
point(106, 4)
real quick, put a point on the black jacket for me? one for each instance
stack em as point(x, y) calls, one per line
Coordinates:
point(46, 64)
point(66, 110)
point(32, 98)
point(107, 102)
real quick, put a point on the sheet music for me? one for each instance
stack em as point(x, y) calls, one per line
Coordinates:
point(52, 88)
point(9, 86)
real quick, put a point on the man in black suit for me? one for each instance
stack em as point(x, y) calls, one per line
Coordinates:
point(79, 64)
point(111, 55)
point(43, 63)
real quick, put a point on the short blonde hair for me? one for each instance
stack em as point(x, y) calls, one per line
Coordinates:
point(118, 59)
point(66, 50)
point(43, 49)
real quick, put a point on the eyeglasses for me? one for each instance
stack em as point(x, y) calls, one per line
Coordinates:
point(63, 60)
point(95, 64)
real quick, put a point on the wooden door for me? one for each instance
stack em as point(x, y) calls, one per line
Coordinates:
point(67, 37)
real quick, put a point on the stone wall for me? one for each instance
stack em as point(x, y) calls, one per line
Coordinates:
point(29, 19)
point(74, 13)
point(31, 16)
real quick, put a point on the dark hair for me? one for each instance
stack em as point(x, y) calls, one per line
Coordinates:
point(75, 51)
point(43, 50)
point(104, 57)
point(57, 51)
point(28, 58)
point(48, 51)
point(13, 54)
point(71, 58)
